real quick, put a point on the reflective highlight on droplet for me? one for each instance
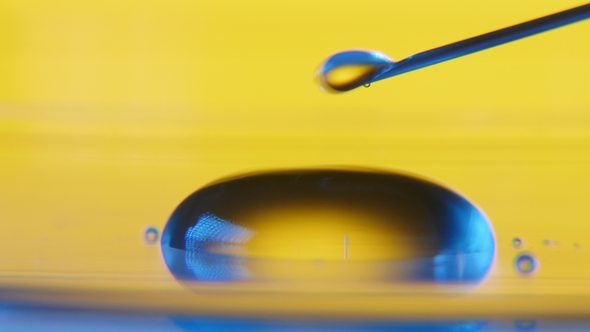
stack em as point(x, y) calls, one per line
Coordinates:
point(526, 264)
point(327, 225)
point(351, 69)
point(151, 235)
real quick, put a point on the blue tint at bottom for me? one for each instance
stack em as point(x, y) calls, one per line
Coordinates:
point(25, 319)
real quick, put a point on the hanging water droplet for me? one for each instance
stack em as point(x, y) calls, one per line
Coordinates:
point(363, 225)
point(366, 85)
point(347, 70)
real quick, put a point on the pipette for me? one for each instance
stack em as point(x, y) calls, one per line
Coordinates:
point(347, 70)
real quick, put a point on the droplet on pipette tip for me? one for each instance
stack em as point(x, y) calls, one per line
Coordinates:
point(348, 70)
point(363, 225)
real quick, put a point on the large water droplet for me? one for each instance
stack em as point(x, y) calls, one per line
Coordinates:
point(327, 225)
point(351, 69)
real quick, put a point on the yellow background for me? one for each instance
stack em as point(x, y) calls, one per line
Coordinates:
point(111, 113)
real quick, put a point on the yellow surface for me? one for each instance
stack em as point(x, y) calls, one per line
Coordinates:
point(111, 113)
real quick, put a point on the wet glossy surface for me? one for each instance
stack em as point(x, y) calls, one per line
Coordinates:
point(33, 319)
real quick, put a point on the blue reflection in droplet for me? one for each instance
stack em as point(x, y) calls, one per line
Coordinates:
point(212, 233)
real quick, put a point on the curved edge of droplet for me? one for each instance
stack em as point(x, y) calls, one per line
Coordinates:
point(479, 211)
point(330, 167)
point(494, 241)
point(494, 252)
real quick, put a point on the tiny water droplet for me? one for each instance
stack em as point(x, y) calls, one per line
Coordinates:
point(525, 264)
point(516, 242)
point(348, 70)
point(151, 235)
